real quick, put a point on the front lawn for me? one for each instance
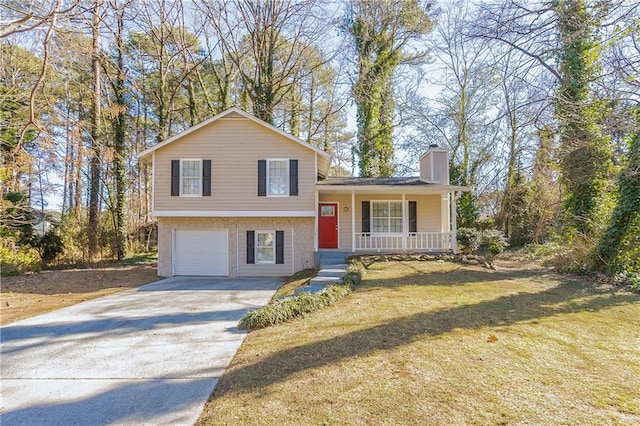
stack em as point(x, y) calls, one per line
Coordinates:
point(443, 343)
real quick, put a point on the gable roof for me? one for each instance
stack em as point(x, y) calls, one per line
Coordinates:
point(324, 158)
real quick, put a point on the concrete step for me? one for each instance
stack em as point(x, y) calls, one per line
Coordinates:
point(331, 260)
point(333, 270)
point(333, 257)
point(324, 281)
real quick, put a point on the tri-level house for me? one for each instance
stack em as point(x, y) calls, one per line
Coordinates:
point(236, 196)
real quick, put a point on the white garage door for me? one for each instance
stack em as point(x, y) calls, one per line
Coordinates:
point(200, 252)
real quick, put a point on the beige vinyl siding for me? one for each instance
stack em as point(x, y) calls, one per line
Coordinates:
point(234, 147)
point(298, 243)
point(429, 211)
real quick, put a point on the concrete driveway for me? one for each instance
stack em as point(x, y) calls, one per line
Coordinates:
point(150, 355)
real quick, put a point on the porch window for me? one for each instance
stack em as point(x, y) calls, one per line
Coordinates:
point(386, 217)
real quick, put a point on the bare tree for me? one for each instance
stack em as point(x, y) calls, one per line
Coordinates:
point(269, 43)
point(458, 116)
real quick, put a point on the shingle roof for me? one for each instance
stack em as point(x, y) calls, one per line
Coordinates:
point(359, 181)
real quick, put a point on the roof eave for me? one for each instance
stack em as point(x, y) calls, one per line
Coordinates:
point(394, 189)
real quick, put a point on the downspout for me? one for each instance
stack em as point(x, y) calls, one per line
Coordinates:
point(315, 222)
point(316, 205)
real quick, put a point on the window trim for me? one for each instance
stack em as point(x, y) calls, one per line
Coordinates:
point(288, 178)
point(257, 247)
point(389, 217)
point(199, 194)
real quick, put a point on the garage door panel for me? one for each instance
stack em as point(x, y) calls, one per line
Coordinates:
point(201, 252)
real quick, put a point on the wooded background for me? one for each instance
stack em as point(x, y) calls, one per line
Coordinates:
point(537, 102)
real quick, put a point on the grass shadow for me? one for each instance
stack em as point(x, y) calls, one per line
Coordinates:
point(565, 298)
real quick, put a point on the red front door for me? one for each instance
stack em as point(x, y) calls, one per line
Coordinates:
point(328, 225)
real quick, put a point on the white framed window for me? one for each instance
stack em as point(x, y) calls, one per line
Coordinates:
point(386, 217)
point(278, 178)
point(191, 178)
point(265, 246)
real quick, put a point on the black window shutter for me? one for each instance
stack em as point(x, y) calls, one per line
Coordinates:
point(293, 177)
point(413, 217)
point(251, 246)
point(175, 178)
point(262, 178)
point(206, 177)
point(366, 223)
point(280, 247)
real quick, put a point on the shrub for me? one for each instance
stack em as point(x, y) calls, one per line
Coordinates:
point(494, 241)
point(287, 309)
point(468, 240)
point(294, 307)
point(575, 258)
point(356, 266)
point(18, 261)
point(352, 279)
point(50, 245)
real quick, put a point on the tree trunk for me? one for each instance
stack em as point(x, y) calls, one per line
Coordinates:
point(120, 148)
point(95, 164)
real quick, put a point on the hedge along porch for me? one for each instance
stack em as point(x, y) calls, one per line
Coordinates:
point(386, 214)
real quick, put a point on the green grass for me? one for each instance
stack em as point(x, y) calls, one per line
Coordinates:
point(413, 345)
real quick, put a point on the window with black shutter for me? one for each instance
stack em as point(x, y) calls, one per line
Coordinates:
point(262, 178)
point(280, 247)
point(206, 177)
point(175, 178)
point(293, 177)
point(251, 248)
point(366, 222)
point(413, 217)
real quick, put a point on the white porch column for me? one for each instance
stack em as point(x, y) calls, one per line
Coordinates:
point(454, 223)
point(353, 222)
point(404, 223)
point(315, 222)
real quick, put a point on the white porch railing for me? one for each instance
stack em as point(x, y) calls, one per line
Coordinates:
point(418, 241)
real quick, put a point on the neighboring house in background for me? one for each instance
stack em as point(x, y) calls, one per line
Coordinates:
point(43, 222)
point(236, 196)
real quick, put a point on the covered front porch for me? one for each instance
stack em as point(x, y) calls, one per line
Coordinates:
point(385, 215)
